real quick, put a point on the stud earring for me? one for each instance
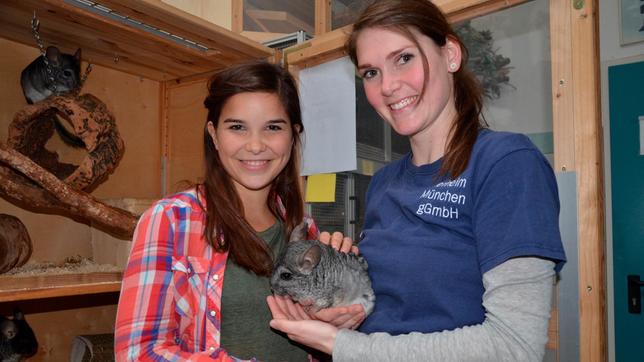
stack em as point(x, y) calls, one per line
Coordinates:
point(452, 66)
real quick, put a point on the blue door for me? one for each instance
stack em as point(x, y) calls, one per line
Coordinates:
point(626, 92)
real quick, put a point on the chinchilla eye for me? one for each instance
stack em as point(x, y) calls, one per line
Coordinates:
point(67, 73)
point(286, 276)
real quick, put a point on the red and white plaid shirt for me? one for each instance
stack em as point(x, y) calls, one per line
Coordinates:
point(170, 303)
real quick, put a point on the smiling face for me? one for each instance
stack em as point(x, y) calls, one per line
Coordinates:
point(393, 73)
point(253, 139)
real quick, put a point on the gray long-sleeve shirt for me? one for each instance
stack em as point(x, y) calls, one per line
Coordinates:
point(517, 301)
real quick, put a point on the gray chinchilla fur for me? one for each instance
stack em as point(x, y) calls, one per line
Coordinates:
point(318, 276)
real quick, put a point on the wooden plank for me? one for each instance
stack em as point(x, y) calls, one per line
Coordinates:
point(69, 45)
point(578, 142)
point(186, 118)
point(237, 24)
point(322, 48)
point(14, 288)
point(138, 51)
point(118, 45)
point(262, 36)
point(173, 20)
point(590, 194)
point(553, 331)
point(323, 16)
point(562, 91)
point(460, 10)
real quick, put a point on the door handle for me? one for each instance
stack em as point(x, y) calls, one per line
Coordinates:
point(634, 295)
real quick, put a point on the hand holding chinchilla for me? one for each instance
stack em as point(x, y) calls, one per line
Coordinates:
point(318, 276)
point(17, 339)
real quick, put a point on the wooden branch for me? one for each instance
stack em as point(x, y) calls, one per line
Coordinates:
point(23, 180)
point(92, 122)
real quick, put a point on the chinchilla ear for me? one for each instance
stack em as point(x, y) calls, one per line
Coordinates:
point(300, 231)
point(53, 55)
point(17, 314)
point(310, 259)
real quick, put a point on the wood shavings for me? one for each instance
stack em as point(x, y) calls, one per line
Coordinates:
point(72, 265)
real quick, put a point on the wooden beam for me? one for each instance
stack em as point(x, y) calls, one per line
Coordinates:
point(318, 50)
point(562, 90)
point(578, 137)
point(322, 16)
point(460, 10)
point(121, 45)
point(15, 288)
point(237, 24)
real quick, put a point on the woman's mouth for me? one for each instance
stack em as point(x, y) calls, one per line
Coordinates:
point(254, 164)
point(403, 103)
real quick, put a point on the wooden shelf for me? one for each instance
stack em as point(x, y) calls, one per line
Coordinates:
point(13, 288)
point(119, 44)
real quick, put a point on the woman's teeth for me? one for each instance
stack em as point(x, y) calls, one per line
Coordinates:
point(403, 103)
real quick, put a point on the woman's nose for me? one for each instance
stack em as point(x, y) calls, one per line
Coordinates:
point(255, 144)
point(390, 84)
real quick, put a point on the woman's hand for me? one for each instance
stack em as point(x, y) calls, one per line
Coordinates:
point(338, 242)
point(291, 319)
point(348, 317)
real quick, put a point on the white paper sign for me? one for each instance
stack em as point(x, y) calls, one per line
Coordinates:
point(328, 97)
point(641, 135)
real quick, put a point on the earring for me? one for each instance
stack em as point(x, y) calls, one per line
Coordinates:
point(452, 66)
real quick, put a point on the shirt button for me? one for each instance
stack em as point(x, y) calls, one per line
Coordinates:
point(215, 277)
point(213, 313)
point(212, 349)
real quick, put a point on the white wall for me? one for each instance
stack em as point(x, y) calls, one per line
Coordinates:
point(610, 49)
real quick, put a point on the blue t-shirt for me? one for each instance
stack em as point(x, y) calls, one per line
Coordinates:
point(429, 240)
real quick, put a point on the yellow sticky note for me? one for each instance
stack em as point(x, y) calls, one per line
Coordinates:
point(320, 188)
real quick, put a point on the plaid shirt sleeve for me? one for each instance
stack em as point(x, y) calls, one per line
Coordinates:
point(160, 317)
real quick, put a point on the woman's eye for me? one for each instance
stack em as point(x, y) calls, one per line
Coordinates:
point(286, 276)
point(405, 58)
point(236, 127)
point(274, 127)
point(370, 73)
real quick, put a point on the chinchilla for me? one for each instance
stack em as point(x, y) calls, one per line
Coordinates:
point(318, 276)
point(17, 339)
point(40, 81)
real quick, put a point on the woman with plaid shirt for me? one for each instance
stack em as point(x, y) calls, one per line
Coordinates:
point(196, 283)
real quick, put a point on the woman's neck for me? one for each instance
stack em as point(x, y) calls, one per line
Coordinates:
point(429, 146)
point(256, 211)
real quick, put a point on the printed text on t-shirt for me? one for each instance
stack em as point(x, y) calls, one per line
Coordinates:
point(448, 196)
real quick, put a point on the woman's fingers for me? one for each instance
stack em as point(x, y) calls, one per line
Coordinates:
point(275, 307)
point(338, 241)
point(325, 237)
point(342, 317)
point(285, 308)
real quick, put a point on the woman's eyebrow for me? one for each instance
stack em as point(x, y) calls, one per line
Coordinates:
point(389, 56)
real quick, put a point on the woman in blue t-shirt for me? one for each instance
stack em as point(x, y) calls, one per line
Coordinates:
point(461, 235)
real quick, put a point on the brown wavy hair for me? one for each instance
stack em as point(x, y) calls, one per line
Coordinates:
point(401, 16)
point(224, 209)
